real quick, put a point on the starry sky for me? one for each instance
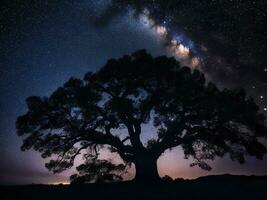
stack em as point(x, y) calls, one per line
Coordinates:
point(45, 42)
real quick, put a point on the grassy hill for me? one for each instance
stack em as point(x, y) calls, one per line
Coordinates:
point(210, 187)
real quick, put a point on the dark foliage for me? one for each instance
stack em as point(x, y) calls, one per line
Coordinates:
point(98, 171)
point(83, 115)
point(167, 178)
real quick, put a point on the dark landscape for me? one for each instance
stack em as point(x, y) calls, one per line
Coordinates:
point(115, 99)
point(209, 187)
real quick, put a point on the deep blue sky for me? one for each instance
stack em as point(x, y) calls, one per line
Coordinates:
point(42, 45)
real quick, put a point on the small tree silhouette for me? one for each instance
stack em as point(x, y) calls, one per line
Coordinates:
point(130, 92)
point(98, 171)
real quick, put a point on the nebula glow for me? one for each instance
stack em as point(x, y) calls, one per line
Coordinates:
point(175, 45)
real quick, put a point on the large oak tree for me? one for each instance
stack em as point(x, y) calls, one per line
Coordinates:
point(131, 92)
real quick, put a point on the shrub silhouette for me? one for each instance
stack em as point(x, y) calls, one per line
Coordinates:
point(96, 170)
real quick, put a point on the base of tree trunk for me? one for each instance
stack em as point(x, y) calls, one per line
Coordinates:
point(146, 170)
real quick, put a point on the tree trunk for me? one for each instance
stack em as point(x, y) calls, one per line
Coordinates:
point(146, 169)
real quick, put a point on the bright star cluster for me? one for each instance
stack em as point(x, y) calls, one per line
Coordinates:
point(177, 46)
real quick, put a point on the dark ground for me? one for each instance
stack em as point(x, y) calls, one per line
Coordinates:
point(212, 187)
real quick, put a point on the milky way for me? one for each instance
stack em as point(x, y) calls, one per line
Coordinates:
point(228, 37)
point(177, 46)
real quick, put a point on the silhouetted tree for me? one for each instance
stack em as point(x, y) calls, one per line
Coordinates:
point(110, 107)
point(96, 170)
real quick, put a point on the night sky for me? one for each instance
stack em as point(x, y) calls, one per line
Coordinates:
point(43, 43)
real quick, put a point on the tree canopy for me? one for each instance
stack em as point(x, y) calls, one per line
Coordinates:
point(132, 91)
